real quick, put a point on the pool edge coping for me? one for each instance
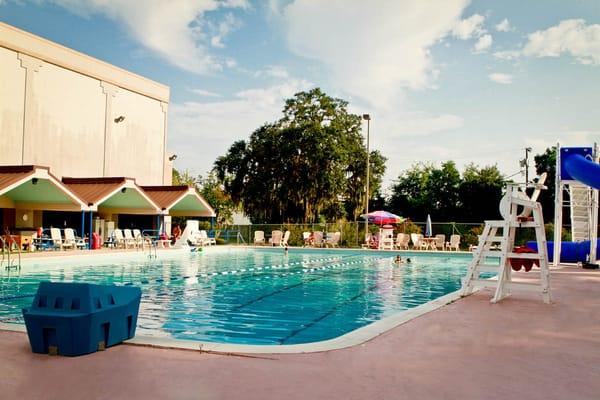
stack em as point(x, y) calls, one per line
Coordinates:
point(353, 338)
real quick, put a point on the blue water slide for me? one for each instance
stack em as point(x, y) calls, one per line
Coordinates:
point(583, 169)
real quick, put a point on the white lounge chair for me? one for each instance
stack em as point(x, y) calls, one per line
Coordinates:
point(284, 241)
point(57, 241)
point(205, 240)
point(72, 240)
point(454, 243)
point(318, 239)
point(129, 239)
point(119, 240)
point(276, 236)
point(333, 240)
point(306, 238)
point(418, 242)
point(259, 237)
point(402, 240)
point(440, 241)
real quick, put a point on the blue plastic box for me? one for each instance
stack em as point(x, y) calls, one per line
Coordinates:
point(72, 319)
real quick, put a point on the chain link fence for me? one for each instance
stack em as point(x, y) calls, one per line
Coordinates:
point(352, 233)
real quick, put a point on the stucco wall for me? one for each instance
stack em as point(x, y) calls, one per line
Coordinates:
point(57, 109)
point(66, 122)
point(136, 144)
point(12, 84)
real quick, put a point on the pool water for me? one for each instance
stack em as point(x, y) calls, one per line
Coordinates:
point(252, 296)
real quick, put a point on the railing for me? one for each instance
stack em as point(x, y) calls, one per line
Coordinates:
point(7, 242)
point(150, 240)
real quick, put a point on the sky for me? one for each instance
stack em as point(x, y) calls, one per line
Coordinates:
point(469, 81)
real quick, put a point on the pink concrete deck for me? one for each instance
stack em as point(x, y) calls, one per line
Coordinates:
point(471, 349)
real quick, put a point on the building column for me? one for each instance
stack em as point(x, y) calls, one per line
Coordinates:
point(110, 91)
point(166, 180)
point(31, 66)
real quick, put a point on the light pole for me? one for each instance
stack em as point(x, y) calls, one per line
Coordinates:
point(367, 118)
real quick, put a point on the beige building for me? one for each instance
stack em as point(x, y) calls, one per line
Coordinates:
point(77, 115)
point(83, 143)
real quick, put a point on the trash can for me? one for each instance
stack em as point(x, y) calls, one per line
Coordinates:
point(72, 319)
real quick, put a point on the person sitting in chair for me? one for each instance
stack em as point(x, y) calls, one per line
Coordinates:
point(176, 234)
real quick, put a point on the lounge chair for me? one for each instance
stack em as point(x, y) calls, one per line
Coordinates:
point(118, 239)
point(454, 243)
point(140, 239)
point(307, 238)
point(440, 241)
point(371, 241)
point(205, 240)
point(72, 240)
point(284, 241)
point(318, 239)
point(129, 239)
point(418, 242)
point(259, 237)
point(402, 241)
point(276, 238)
point(333, 240)
point(57, 240)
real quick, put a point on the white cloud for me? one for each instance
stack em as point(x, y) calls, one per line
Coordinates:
point(571, 36)
point(225, 27)
point(273, 71)
point(501, 78)
point(199, 132)
point(174, 31)
point(469, 27)
point(205, 93)
point(507, 54)
point(504, 26)
point(483, 44)
point(378, 51)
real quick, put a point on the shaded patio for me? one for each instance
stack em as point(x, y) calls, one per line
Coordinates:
point(470, 349)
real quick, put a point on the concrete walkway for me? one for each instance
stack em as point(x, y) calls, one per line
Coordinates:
point(471, 349)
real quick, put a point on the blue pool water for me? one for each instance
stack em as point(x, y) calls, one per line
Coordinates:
point(252, 296)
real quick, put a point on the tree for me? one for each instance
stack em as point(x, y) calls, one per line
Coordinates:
point(480, 192)
point(303, 166)
point(425, 189)
point(184, 178)
point(546, 162)
point(211, 190)
point(441, 192)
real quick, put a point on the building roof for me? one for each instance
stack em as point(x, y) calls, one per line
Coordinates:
point(117, 193)
point(179, 200)
point(33, 186)
point(92, 190)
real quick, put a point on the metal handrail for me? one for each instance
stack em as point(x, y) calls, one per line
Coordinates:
point(7, 247)
point(151, 243)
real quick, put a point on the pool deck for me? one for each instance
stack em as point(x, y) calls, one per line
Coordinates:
point(469, 349)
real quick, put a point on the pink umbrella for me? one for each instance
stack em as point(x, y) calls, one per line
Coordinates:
point(382, 218)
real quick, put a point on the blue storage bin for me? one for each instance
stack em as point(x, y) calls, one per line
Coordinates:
point(72, 319)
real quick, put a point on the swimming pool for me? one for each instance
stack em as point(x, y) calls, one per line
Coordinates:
point(252, 296)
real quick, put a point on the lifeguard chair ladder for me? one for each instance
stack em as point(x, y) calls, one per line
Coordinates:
point(493, 245)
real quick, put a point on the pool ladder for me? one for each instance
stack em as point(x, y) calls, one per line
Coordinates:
point(147, 240)
point(7, 251)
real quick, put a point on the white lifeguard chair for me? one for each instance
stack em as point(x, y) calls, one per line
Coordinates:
point(493, 245)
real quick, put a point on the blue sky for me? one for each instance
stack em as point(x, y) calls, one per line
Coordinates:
point(470, 81)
